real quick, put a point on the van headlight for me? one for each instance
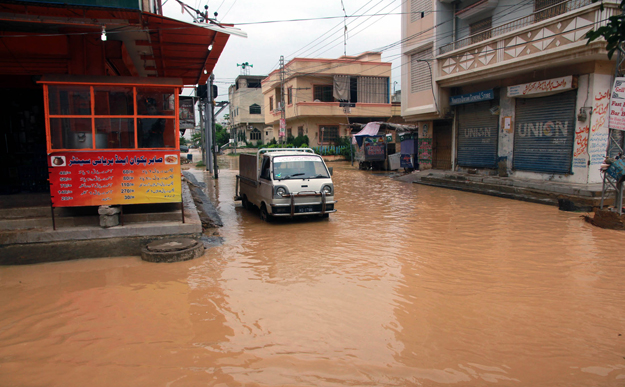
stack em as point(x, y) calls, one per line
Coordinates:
point(327, 189)
point(280, 192)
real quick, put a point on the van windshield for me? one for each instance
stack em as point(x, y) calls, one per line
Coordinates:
point(299, 167)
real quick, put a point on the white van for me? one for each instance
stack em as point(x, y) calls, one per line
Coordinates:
point(290, 182)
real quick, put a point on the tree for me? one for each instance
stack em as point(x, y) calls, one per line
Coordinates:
point(613, 32)
point(196, 138)
point(221, 135)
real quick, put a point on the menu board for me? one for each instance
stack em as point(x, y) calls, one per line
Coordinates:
point(114, 177)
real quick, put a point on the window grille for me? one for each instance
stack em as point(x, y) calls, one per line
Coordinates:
point(481, 30)
point(255, 109)
point(323, 93)
point(329, 134)
point(546, 9)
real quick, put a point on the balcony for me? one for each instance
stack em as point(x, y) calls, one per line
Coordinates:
point(553, 29)
point(329, 109)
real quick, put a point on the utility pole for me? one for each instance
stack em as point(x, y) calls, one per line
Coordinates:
point(209, 125)
point(215, 147)
point(282, 134)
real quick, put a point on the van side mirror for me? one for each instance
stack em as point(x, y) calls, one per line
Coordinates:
point(331, 170)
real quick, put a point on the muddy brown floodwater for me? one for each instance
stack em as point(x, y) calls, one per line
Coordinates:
point(406, 285)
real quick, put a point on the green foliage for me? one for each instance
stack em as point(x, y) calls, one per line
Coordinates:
point(273, 141)
point(613, 32)
point(299, 141)
point(196, 139)
point(259, 144)
point(221, 135)
point(183, 141)
point(290, 139)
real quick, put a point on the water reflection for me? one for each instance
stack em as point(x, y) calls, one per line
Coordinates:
point(404, 285)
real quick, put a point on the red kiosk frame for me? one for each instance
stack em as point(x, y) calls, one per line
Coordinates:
point(112, 140)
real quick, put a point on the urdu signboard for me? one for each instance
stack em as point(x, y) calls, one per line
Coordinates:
point(542, 88)
point(617, 105)
point(114, 177)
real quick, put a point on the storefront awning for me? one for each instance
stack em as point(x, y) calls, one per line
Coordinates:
point(50, 39)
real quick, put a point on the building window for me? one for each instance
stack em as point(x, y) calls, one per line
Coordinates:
point(372, 89)
point(323, 93)
point(419, 8)
point(253, 84)
point(270, 104)
point(300, 130)
point(329, 134)
point(255, 109)
point(481, 30)
point(289, 132)
point(546, 9)
point(255, 134)
point(290, 95)
point(420, 77)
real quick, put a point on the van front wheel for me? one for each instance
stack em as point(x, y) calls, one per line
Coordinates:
point(264, 214)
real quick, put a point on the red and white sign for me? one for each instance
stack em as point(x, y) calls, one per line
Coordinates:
point(617, 105)
point(98, 178)
point(542, 88)
point(282, 127)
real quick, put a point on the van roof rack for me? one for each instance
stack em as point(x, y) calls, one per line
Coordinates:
point(266, 150)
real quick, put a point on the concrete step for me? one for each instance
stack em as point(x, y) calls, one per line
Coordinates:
point(64, 221)
point(25, 212)
point(529, 193)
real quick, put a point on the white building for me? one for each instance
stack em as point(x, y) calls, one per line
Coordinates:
point(508, 84)
point(247, 119)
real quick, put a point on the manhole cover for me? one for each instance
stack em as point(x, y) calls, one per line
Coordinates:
point(171, 245)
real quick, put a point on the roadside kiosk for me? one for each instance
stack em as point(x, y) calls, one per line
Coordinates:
point(112, 140)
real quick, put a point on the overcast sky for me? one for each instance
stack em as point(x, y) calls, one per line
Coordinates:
point(320, 38)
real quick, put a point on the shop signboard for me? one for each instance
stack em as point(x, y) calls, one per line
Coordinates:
point(617, 105)
point(374, 148)
point(485, 95)
point(543, 88)
point(405, 161)
point(187, 112)
point(114, 177)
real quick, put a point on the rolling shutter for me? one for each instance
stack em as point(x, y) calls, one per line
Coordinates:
point(544, 133)
point(478, 133)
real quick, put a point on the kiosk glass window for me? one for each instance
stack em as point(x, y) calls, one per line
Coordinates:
point(71, 133)
point(113, 101)
point(115, 133)
point(69, 100)
point(156, 124)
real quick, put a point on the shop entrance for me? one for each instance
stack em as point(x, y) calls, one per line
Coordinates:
point(23, 142)
point(441, 147)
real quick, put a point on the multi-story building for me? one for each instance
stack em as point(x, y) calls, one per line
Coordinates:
point(247, 122)
point(323, 96)
point(508, 85)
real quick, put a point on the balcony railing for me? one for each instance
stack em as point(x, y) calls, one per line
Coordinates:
point(542, 14)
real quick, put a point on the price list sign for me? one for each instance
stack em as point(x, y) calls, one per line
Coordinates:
point(114, 177)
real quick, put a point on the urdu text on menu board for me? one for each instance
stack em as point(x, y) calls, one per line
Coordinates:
point(114, 177)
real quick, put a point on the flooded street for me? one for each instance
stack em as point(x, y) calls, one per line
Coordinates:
point(404, 285)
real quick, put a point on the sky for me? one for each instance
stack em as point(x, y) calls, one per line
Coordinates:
point(319, 38)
